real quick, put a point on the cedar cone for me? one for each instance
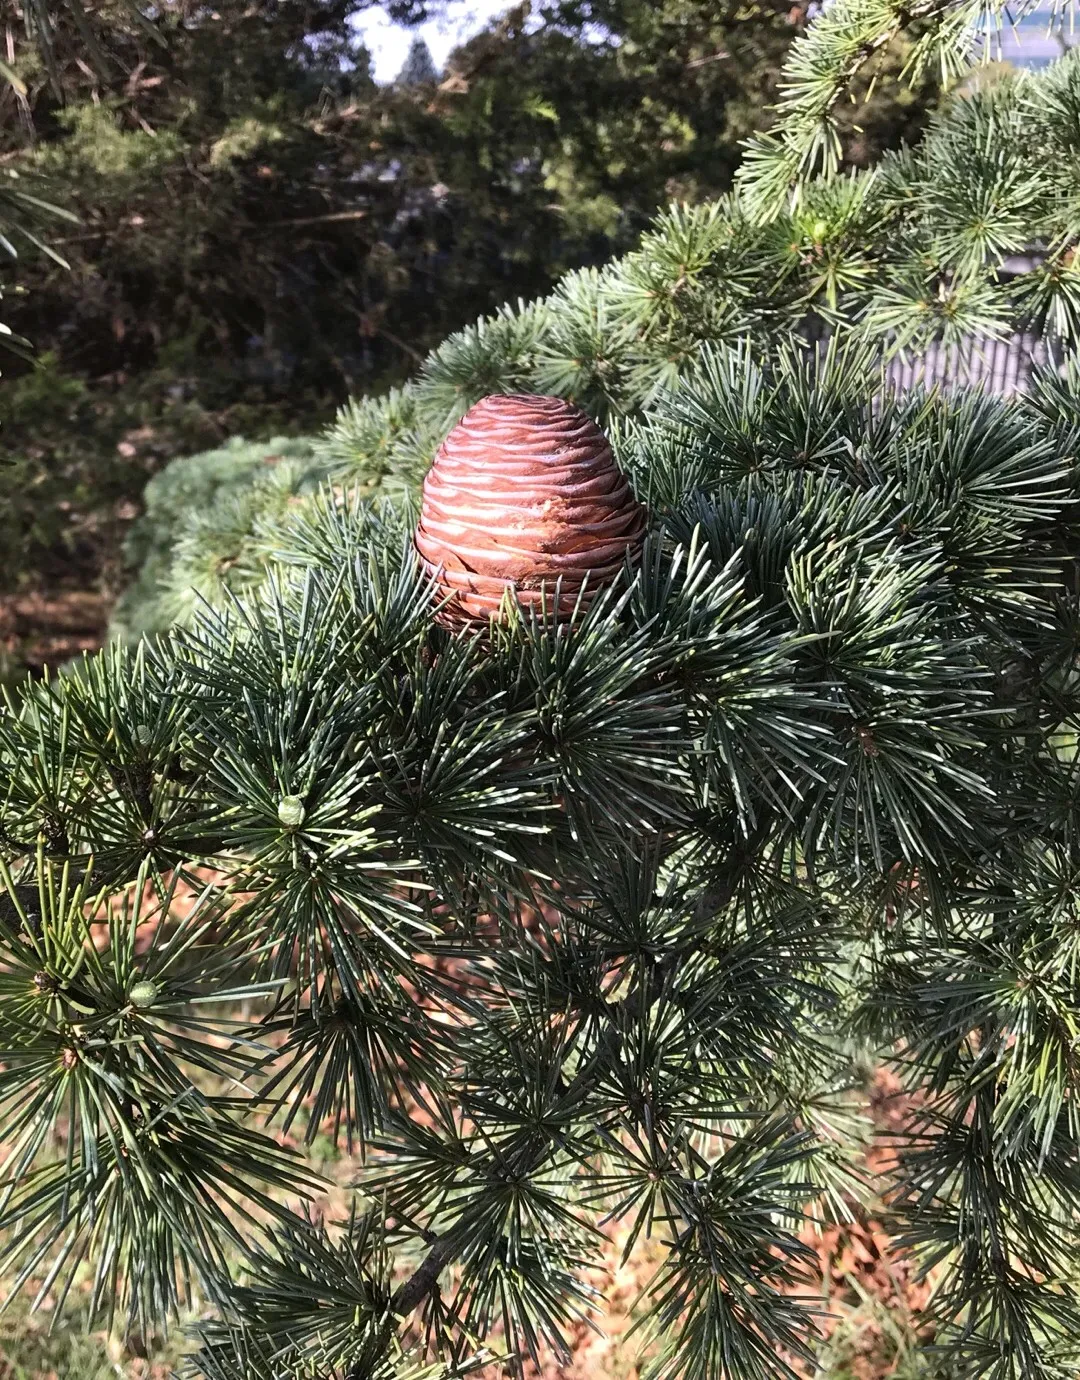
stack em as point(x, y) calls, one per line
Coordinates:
point(523, 492)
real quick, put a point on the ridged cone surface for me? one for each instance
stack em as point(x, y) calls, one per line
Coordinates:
point(524, 491)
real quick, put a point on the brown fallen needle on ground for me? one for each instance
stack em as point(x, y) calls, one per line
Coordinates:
point(40, 629)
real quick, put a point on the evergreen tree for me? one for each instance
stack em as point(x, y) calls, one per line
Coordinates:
point(418, 68)
point(62, 47)
point(25, 216)
point(837, 54)
point(560, 925)
point(196, 520)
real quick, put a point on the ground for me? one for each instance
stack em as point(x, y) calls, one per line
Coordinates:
point(872, 1326)
point(46, 628)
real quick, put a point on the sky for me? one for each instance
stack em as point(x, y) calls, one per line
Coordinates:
point(1030, 43)
point(388, 43)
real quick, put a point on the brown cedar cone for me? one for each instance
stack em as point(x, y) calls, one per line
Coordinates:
point(524, 491)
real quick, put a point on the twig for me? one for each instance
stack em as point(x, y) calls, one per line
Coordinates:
point(417, 1287)
point(320, 220)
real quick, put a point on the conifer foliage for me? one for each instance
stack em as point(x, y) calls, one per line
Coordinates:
point(971, 235)
point(842, 50)
point(560, 929)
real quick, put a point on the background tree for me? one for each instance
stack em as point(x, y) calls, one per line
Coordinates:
point(418, 68)
point(61, 46)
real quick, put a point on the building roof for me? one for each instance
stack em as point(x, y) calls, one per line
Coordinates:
point(1000, 367)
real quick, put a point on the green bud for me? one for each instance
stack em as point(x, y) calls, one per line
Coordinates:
point(290, 811)
point(144, 994)
point(820, 230)
point(143, 736)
